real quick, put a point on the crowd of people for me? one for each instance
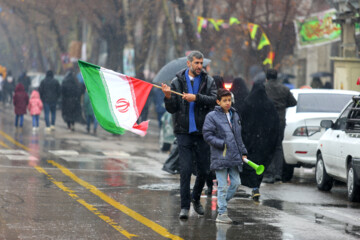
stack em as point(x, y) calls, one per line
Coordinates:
point(217, 129)
point(71, 94)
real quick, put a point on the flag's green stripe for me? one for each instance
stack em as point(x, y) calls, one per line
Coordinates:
point(98, 97)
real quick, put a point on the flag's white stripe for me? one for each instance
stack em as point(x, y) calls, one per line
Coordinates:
point(118, 87)
point(133, 94)
point(108, 98)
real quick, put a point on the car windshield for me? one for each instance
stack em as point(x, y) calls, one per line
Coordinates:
point(322, 102)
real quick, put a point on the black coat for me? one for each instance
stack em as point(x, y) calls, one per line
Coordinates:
point(49, 90)
point(205, 102)
point(240, 91)
point(71, 94)
point(281, 97)
point(260, 130)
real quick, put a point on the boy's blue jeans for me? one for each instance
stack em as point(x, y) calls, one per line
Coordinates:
point(224, 194)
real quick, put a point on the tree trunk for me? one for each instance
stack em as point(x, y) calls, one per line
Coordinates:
point(172, 30)
point(188, 25)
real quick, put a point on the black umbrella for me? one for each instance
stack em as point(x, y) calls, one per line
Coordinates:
point(283, 76)
point(168, 72)
point(322, 74)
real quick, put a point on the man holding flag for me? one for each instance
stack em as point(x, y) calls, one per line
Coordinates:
point(189, 110)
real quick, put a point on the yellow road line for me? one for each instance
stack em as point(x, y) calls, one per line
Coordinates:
point(90, 207)
point(147, 222)
point(4, 145)
point(10, 139)
point(70, 192)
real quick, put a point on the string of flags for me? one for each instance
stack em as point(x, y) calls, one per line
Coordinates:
point(203, 23)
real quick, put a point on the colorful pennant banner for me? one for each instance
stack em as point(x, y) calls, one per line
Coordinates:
point(202, 23)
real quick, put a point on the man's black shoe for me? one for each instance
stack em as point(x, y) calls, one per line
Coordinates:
point(184, 214)
point(198, 207)
point(208, 191)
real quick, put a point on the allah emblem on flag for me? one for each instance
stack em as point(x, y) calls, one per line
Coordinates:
point(122, 105)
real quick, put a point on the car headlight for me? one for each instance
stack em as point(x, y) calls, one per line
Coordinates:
point(304, 131)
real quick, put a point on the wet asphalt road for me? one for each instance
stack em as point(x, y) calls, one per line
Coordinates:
point(74, 185)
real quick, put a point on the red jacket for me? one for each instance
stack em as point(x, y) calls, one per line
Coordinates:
point(35, 104)
point(20, 99)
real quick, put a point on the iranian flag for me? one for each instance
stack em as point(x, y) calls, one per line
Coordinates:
point(117, 99)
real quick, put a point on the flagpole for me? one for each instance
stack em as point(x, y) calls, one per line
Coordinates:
point(157, 86)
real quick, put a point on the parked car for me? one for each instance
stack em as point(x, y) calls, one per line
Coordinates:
point(338, 151)
point(303, 131)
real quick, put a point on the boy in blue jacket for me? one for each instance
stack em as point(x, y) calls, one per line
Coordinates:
point(222, 131)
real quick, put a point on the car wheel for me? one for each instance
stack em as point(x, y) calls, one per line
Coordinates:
point(323, 181)
point(288, 172)
point(353, 188)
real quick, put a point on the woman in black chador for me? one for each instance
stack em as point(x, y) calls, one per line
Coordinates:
point(71, 95)
point(240, 91)
point(260, 124)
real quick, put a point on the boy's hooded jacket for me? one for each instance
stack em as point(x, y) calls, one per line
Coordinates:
point(35, 103)
point(218, 133)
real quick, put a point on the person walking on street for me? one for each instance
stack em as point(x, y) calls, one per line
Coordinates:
point(189, 111)
point(25, 80)
point(260, 131)
point(8, 88)
point(71, 91)
point(282, 99)
point(89, 113)
point(49, 93)
point(240, 91)
point(35, 107)
point(222, 131)
point(20, 100)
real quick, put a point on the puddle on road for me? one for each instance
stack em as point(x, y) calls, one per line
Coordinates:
point(293, 209)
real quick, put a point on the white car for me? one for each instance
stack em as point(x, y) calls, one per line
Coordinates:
point(338, 151)
point(303, 131)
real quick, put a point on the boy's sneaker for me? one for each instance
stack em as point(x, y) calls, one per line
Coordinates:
point(47, 129)
point(52, 127)
point(198, 207)
point(255, 194)
point(184, 214)
point(223, 218)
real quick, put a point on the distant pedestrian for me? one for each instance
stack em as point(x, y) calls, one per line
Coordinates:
point(8, 88)
point(25, 80)
point(71, 91)
point(219, 81)
point(287, 83)
point(20, 100)
point(240, 91)
point(1, 86)
point(260, 131)
point(222, 131)
point(35, 107)
point(282, 99)
point(49, 93)
point(316, 83)
point(89, 114)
